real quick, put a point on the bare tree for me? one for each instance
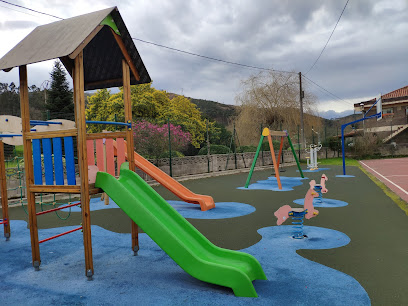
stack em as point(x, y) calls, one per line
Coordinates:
point(271, 99)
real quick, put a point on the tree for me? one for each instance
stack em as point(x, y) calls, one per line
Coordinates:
point(60, 102)
point(152, 105)
point(220, 135)
point(98, 109)
point(182, 112)
point(9, 99)
point(271, 99)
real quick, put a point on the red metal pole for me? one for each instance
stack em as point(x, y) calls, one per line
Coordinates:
point(54, 209)
point(59, 235)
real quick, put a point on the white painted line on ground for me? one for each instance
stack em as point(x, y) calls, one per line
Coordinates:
point(397, 175)
point(403, 190)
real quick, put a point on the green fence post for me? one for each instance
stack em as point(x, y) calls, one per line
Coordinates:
point(325, 138)
point(208, 148)
point(235, 149)
point(262, 153)
point(254, 162)
point(298, 141)
point(170, 162)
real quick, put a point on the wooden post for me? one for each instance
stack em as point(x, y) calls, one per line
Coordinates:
point(275, 164)
point(280, 151)
point(129, 142)
point(28, 165)
point(79, 100)
point(3, 187)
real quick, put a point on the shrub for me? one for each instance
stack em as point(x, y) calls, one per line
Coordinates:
point(173, 154)
point(152, 140)
point(214, 149)
point(366, 146)
point(243, 149)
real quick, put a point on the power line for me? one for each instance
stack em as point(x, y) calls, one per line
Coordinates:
point(9, 8)
point(325, 90)
point(26, 8)
point(328, 39)
point(211, 58)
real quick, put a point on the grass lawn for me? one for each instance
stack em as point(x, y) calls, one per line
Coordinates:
point(338, 161)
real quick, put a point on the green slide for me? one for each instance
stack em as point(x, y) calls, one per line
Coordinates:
point(194, 253)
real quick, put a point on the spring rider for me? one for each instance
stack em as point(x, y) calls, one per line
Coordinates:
point(298, 214)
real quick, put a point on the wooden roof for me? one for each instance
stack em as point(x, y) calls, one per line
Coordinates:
point(102, 36)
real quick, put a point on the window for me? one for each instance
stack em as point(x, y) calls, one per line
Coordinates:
point(389, 110)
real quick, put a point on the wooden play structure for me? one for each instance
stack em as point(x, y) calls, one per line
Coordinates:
point(269, 134)
point(3, 189)
point(98, 52)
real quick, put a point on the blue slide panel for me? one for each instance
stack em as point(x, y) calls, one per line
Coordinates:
point(48, 168)
point(59, 170)
point(37, 162)
point(69, 160)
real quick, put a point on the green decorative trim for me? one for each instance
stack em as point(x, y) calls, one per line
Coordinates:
point(254, 161)
point(110, 23)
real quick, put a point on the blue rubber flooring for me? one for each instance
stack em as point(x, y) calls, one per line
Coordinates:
point(152, 278)
point(272, 184)
point(323, 203)
point(222, 210)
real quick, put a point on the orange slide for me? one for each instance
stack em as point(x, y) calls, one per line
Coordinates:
point(206, 202)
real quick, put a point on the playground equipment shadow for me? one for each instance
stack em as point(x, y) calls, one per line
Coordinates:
point(375, 257)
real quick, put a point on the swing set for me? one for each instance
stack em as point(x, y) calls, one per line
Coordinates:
point(269, 134)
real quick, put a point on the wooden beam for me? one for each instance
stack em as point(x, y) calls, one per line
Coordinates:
point(105, 82)
point(278, 133)
point(85, 42)
point(106, 135)
point(55, 188)
point(129, 143)
point(280, 151)
point(126, 56)
point(68, 63)
point(51, 134)
point(3, 189)
point(79, 100)
point(28, 162)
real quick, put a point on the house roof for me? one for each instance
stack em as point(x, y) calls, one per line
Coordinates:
point(94, 34)
point(402, 92)
point(391, 96)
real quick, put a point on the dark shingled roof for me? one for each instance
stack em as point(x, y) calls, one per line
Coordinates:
point(64, 39)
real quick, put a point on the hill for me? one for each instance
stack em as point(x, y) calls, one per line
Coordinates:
point(221, 113)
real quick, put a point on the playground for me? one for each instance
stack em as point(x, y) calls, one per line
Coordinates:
point(353, 254)
point(307, 234)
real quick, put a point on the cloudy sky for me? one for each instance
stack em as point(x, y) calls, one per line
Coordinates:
point(367, 54)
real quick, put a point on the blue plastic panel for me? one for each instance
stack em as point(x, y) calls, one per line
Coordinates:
point(48, 168)
point(69, 160)
point(59, 170)
point(37, 162)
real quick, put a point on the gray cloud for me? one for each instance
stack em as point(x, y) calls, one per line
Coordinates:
point(17, 25)
point(367, 53)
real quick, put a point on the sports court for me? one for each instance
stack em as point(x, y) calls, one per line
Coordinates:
point(392, 172)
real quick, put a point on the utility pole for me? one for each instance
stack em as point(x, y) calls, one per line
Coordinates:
point(301, 95)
